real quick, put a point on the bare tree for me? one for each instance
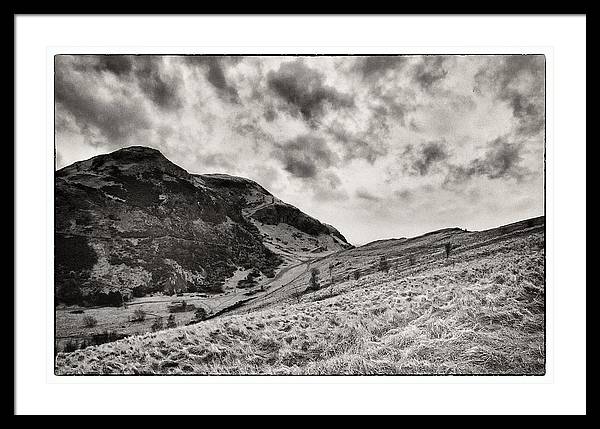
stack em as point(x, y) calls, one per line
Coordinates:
point(331, 276)
point(314, 279)
point(384, 264)
point(448, 247)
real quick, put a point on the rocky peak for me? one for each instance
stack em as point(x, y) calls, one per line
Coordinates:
point(131, 221)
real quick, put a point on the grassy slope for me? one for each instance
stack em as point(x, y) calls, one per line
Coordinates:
point(480, 313)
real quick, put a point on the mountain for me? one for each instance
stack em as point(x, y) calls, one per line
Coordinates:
point(131, 223)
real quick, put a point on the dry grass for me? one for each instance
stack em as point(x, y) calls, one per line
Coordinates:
point(478, 316)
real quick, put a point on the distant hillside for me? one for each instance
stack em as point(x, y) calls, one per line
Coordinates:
point(131, 222)
point(404, 256)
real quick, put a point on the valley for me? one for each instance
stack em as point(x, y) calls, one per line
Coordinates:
point(478, 311)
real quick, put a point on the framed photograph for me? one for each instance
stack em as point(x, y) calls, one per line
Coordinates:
point(327, 216)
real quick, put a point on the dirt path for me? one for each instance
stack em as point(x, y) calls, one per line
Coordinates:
point(282, 286)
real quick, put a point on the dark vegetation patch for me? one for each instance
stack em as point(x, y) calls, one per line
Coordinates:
point(112, 298)
point(138, 192)
point(73, 253)
point(91, 340)
point(277, 213)
point(180, 307)
point(250, 279)
point(165, 228)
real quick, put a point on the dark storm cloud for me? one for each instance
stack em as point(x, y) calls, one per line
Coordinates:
point(420, 161)
point(215, 74)
point(116, 119)
point(519, 81)
point(429, 71)
point(502, 160)
point(153, 81)
point(304, 91)
point(115, 64)
point(377, 66)
point(147, 71)
point(305, 156)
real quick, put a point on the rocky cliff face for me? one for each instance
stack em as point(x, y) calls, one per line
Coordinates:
point(131, 222)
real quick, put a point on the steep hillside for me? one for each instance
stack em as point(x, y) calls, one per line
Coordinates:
point(286, 230)
point(131, 222)
point(403, 257)
point(481, 310)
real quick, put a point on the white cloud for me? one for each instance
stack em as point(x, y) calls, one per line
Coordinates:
point(223, 114)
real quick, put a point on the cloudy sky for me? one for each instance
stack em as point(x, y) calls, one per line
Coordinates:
point(379, 147)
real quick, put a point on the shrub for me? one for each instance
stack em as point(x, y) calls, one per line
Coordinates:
point(139, 315)
point(181, 307)
point(157, 325)
point(412, 259)
point(201, 314)
point(249, 281)
point(171, 323)
point(448, 248)
point(313, 283)
point(89, 321)
point(383, 264)
point(68, 292)
point(103, 337)
point(356, 274)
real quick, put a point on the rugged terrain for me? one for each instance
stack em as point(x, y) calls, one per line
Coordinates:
point(401, 306)
point(131, 223)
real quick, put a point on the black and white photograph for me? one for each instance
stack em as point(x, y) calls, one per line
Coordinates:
point(299, 215)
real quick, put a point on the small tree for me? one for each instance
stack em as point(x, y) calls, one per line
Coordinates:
point(89, 321)
point(314, 279)
point(139, 315)
point(383, 264)
point(297, 295)
point(157, 325)
point(356, 274)
point(171, 323)
point(448, 248)
point(200, 314)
